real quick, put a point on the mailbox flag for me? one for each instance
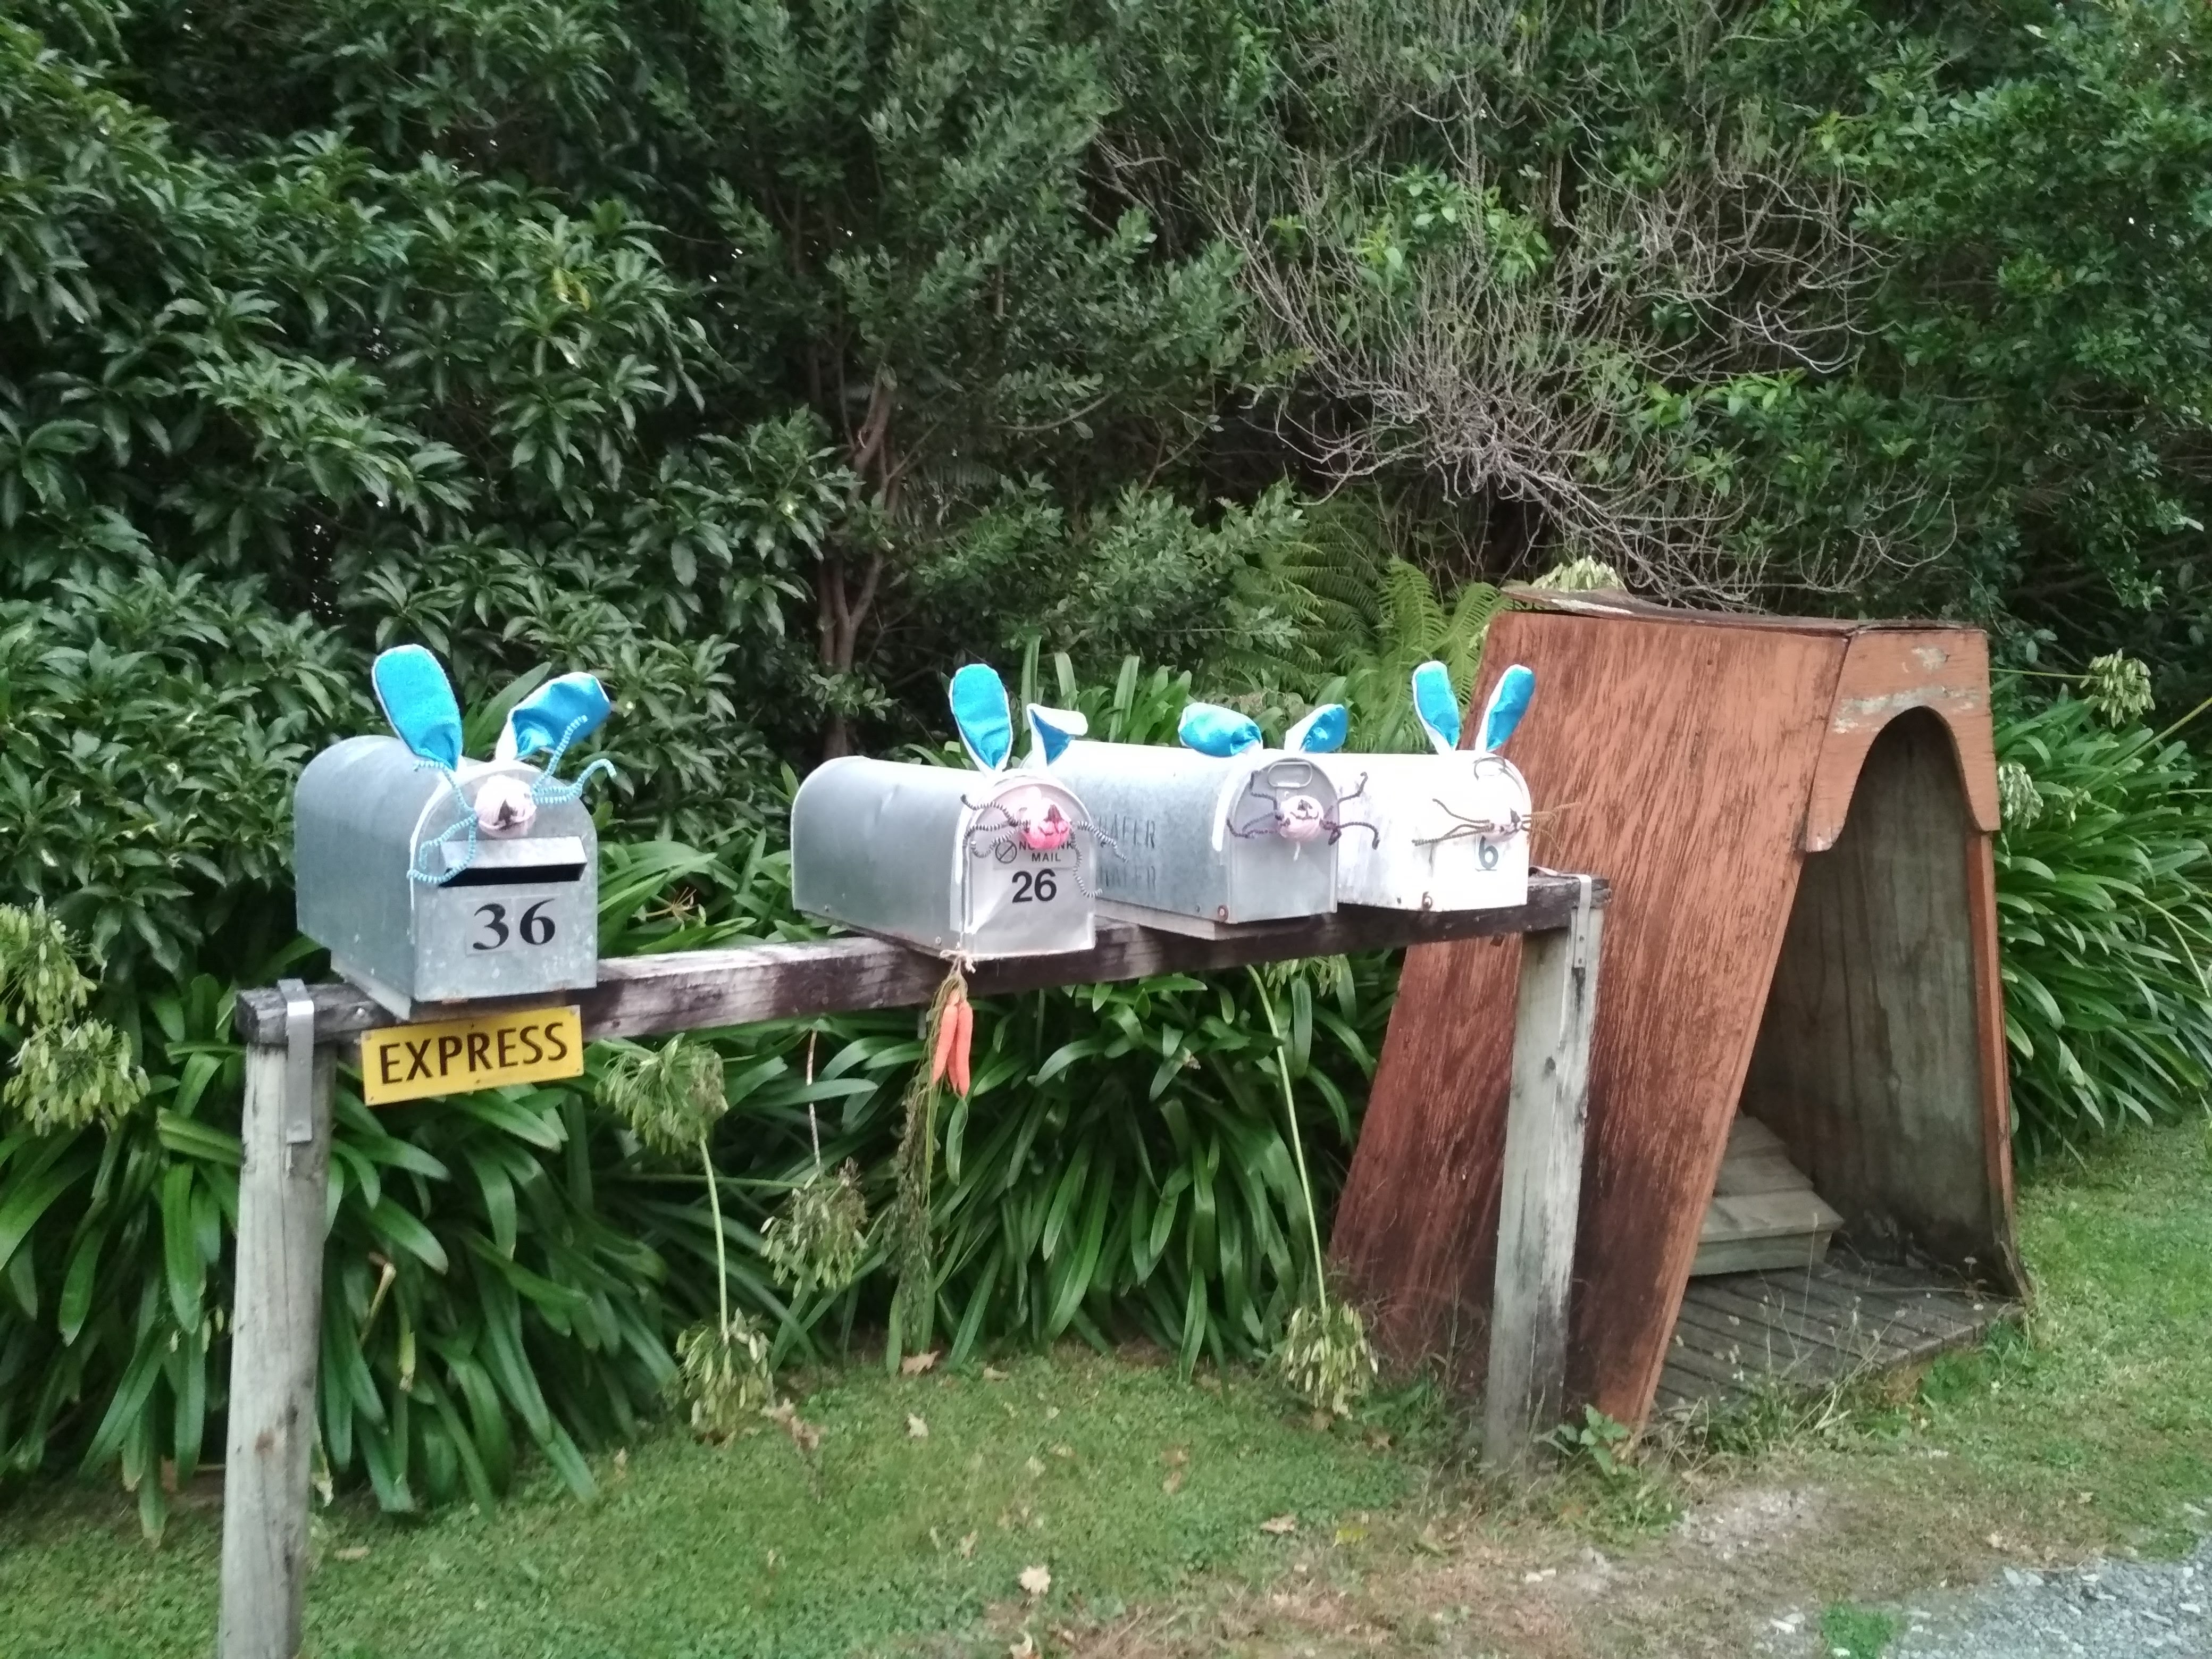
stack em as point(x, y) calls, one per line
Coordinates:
point(555, 715)
point(1212, 730)
point(418, 699)
point(1509, 700)
point(1437, 707)
point(1320, 732)
point(980, 714)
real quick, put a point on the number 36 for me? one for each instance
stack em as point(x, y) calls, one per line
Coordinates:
point(534, 928)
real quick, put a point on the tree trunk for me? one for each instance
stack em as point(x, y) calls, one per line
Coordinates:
point(842, 609)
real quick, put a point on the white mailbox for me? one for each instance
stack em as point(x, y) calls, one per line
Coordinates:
point(1450, 832)
point(1447, 830)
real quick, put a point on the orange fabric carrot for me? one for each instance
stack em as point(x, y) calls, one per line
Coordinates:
point(962, 1021)
point(948, 1032)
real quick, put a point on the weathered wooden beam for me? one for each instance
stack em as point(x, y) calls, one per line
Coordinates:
point(1546, 1112)
point(701, 990)
point(277, 1319)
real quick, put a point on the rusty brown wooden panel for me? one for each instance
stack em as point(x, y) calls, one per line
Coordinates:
point(1679, 757)
point(1869, 1060)
point(1887, 672)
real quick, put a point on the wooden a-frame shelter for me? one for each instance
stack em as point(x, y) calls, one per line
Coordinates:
point(1797, 816)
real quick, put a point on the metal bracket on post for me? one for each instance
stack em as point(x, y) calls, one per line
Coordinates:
point(299, 1063)
point(1580, 930)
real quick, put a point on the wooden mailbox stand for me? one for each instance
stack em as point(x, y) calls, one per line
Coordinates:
point(1798, 815)
point(293, 1034)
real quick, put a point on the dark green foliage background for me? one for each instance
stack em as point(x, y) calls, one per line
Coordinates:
point(769, 358)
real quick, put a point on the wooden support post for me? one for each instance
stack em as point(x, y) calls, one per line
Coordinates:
point(1542, 1177)
point(275, 1324)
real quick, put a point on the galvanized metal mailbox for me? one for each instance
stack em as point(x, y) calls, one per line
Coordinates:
point(1436, 832)
point(412, 911)
point(1212, 839)
point(976, 863)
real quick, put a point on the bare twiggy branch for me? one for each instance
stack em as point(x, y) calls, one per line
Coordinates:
point(1580, 380)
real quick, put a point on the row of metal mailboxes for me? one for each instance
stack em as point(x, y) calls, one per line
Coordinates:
point(986, 864)
point(1021, 862)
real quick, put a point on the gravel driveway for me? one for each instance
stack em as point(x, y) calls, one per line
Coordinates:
point(2106, 1610)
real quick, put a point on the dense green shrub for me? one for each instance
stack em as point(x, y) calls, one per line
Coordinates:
point(511, 1266)
point(2104, 911)
point(2035, 174)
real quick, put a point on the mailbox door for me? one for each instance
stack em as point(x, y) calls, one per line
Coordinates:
point(1477, 871)
point(1271, 877)
point(1018, 900)
point(1424, 851)
point(521, 919)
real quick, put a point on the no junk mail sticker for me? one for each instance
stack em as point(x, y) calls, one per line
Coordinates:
point(454, 1056)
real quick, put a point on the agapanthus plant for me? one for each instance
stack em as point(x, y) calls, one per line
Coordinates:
point(69, 1072)
point(671, 1098)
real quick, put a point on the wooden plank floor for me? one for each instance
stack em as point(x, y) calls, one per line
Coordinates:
point(1812, 1325)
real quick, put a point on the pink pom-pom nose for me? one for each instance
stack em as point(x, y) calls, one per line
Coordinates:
point(1048, 834)
point(504, 806)
point(1298, 818)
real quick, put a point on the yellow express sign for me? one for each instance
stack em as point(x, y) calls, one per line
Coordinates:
point(454, 1056)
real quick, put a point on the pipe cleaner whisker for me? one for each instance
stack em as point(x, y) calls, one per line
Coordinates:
point(1463, 826)
point(548, 791)
point(466, 821)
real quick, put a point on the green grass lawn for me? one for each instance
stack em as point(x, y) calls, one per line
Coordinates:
point(2092, 1430)
point(1120, 1479)
point(2094, 1425)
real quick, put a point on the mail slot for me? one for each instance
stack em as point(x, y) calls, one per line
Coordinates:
point(1437, 832)
point(1213, 839)
point(417, 904)
point(983, 863)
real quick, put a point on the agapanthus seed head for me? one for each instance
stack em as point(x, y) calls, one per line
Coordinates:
point(669, 1095)
point(2117, 686)
point(820, 1239)
point(40, 983)
point(72, 1076)
point(722, 1371)
point(1325, 1356)
point(2020, 803)
point(1582, 575)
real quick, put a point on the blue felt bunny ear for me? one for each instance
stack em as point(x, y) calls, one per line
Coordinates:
point(1320, 732)
point(1436, 707)
point(1051, 730)
point(561, 711)
point(418, 699)
point(1212, 730)
point(980, 714)
point(1509, 700)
